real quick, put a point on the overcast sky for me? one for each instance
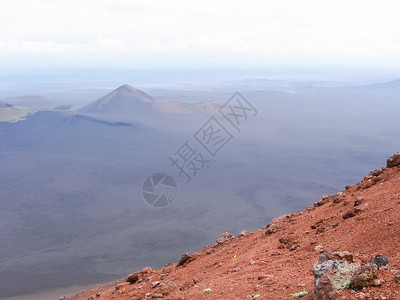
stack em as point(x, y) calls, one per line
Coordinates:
point(184, 33)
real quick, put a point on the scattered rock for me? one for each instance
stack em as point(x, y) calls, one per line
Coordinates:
point(364, 275)
point(377, 282)
point(393, 161)
point(289, 242)
point(243, 232)
point(276, 224)
point(271, 230)
point(157, 296)
point(332, 273)
point(319, 248)
point(165, 288)
point(226, 236)
point(135, 277)
point(300, 294)
point(185, 259)
point(210, 250)
point(154, 284)
point(322, 201)
point(367, 184)
point(397, 276)
point(337, 198)
point(358, 201)
point(380, 260)
point(351, 213)
point(120, 286)
point(376, 173)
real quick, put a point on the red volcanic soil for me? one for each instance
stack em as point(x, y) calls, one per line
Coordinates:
point(276, 261)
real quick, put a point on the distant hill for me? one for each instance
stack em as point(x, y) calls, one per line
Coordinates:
point(128, 101)
point(122, 100)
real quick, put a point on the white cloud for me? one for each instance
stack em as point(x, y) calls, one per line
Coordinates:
point(254, 31)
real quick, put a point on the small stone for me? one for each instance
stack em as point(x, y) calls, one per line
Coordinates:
point(209, 251)
point(226, 236)
point(377, 282)
point(98, 294)
point(157, 296)
point(243, 232)
point(397, 276)
point(154, 284)
point(186, 258)
point(252, 262)
point(351, 213)
point(358, 201)
point(380, 260)
point(270, 230)
point(300, 294)
point(319, 248)
point(138, 276)
point(393, 161)
point(360, 296)
point(165, 288)
point(376, 172)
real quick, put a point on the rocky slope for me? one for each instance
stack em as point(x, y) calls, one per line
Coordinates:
point(276, 262)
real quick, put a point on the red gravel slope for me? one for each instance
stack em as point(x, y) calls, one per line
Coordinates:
point(276, 261)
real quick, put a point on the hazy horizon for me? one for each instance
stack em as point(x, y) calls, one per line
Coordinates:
point(40, 34)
